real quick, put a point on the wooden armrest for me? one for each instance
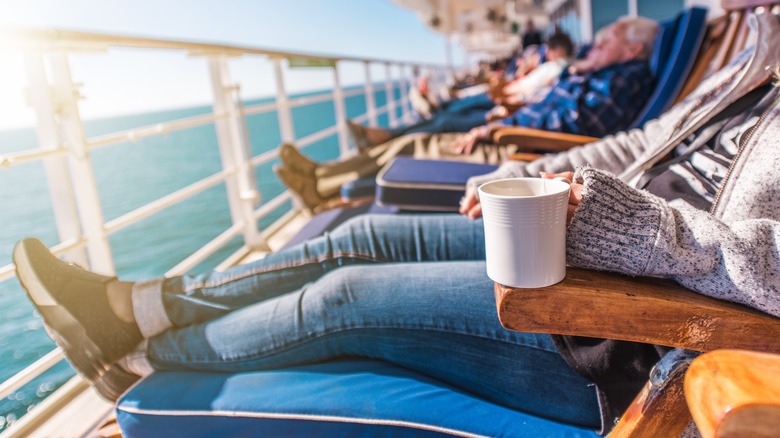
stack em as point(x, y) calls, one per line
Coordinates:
point(525, 156)
point(537, 139)
point(605, 305)
point(734, 393)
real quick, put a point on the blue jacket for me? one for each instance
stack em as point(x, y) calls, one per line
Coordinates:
point(595, 104)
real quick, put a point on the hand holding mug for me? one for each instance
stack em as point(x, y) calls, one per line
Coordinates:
point(575, 193)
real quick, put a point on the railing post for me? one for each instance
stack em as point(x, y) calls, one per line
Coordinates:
point(341, 114)
point(234, 150)
point(286, 127)
point(586, 20)
point(63, 202)
point(370, 101)
point(81, 172)
point(403, 84)
point(390, 97)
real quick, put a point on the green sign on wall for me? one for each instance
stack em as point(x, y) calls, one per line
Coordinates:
point(310, 62)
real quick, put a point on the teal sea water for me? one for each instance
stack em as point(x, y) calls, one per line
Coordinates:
point(128, 176)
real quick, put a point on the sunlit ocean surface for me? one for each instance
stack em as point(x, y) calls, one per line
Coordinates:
point(128, 176)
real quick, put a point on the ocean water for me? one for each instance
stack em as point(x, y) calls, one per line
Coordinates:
point(128, 176)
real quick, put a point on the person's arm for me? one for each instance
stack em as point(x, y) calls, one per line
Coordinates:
point(622, 229)
point(613, 153)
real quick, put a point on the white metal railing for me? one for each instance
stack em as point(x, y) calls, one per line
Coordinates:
point(65, 149)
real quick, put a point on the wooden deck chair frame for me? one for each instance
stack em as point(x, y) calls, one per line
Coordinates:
point(644, 310)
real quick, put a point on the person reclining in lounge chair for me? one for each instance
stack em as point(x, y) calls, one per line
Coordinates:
point(462, 114)
point(612, 86)
point(708, 218)
point(597, 96)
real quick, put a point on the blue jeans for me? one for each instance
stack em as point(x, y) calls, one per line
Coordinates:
point(445, 122)
point(411, 290)
point(478, 101)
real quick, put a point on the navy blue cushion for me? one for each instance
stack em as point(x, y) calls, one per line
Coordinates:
point(425, 185)
point(354, 398)
point(358, 189)
point(673, 56)
point(667, 30)
point(328, 220)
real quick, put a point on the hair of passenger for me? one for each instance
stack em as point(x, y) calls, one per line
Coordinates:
point(561, 40)
point(640, 30)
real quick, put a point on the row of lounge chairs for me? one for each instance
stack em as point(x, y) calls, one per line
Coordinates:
point(372, 398)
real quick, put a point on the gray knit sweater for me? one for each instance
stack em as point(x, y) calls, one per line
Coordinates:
point(731, 253)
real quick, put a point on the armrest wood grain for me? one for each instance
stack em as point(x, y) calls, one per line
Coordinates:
point(605, 305)
point(525, 156)
point(536, 139)
point(735, 393)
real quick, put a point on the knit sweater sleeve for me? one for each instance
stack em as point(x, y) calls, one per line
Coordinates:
point(613, 153)
point(622, 229)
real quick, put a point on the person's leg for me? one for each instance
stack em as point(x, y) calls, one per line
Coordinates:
point(436, 318)
point(476, 102)
point(181, 301)
point(333, 174)
point(451, 122)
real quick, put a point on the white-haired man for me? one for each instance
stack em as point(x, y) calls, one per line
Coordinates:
point(597, 96)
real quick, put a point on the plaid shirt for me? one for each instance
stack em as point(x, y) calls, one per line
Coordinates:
point(595, 104)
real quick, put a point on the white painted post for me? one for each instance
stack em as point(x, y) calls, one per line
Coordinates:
point(370, 101)
point(82, 175)
point(448, 53)
point(404, 84)
point(586, 20)
point(57, 175)
point(633, 8)
point(340, 111)
point(234, 151)
point(286, 127)
point(390, 97)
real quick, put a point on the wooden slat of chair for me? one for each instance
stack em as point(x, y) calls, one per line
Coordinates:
point(722, 56)
point(650, 417)
point(714, 39)
point(735, 393)
point(741, 36)
point(530, 139)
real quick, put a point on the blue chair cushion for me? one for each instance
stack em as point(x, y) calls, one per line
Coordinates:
point(674, 53)
point(328, 220)
point(425, 185)
point(358, 189)
point(350, 398)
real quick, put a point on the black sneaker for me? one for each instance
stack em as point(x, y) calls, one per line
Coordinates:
point(114, 382)
point(75, 310)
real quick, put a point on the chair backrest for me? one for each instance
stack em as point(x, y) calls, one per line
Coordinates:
point(673, 56)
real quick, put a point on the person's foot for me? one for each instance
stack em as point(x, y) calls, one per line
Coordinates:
point(77, 316)
point(302, 187)
point(366, 138)
point(294, 160)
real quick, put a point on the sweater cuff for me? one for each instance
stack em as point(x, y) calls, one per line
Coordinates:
point(615, 227)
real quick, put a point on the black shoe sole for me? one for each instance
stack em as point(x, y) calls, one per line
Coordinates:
point(82, 353)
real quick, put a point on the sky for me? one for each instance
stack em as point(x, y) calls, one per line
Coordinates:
point(126, 81)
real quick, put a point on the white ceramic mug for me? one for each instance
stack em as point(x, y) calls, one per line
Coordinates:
point(525, 230)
